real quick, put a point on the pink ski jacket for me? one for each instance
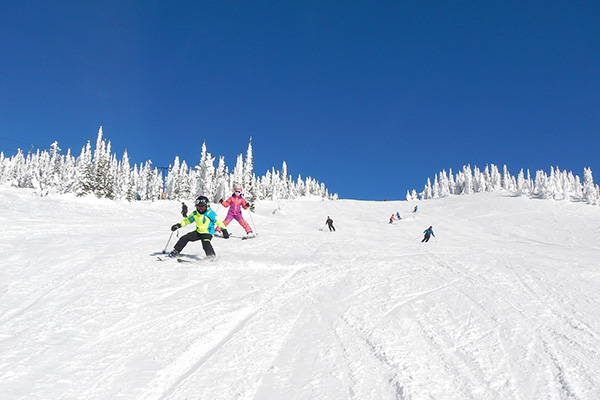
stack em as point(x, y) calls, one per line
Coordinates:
point(236, 203)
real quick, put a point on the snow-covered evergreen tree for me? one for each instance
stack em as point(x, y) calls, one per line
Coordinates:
point(427, 191)
point(237, 177)
point(221, 181)
point(206, 174)
point(248, 177)
point(590, 191)
point(84, 171)
point(55, 178)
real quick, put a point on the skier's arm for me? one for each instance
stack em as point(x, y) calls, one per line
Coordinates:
point(244, 204)
point(188, 220)
point(226, 203)
point(215, 219)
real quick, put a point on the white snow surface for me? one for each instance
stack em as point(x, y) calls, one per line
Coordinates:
point(502, 304)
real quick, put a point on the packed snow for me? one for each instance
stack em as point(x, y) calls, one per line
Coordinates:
point(503, 303)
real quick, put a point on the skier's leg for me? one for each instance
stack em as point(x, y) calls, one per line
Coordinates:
point(207, 246)
point(183, 241)
point(243, 223)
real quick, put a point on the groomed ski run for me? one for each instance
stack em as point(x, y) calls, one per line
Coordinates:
point(502, 304)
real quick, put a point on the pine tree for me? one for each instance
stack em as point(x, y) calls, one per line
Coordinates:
point(222, 180)
point(206, 174)
point(248, 178)
point(590, 192)
point(55, 178)
point(84, 171)
point(237, 178)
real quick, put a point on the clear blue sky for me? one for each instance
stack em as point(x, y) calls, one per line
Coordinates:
point(369, 97)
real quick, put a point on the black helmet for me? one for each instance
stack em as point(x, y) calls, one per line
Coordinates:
point(202, 201)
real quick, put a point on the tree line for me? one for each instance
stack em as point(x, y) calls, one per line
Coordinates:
point(98, 171)
point(558, 185)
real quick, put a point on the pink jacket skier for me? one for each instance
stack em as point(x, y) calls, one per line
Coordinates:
point(235, 203)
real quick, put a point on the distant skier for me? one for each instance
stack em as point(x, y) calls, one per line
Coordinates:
point(329, 223)
point(398, 215)
point(416, 208)
point(235, 203)
point(184, 210)
point(428, 233)
point(392, 219)
point(205, 219)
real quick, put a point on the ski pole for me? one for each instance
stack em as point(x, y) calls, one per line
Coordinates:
point(170, 236)
point(253, 224)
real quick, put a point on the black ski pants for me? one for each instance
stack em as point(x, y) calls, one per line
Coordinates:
point(195, 236)
point(425, 239)
point(331, 228)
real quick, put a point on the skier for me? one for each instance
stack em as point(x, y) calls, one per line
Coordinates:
point(416, 207)
point(428, 233)
point(398, 215)
point(205, 219)
point(184, 210)
point(392, 219)
point(235, 203)
point(329, 222)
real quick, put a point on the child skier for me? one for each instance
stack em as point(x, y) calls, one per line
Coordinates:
point(205, 219)
point(392, 219)
point(235, 203)
point(428, 233)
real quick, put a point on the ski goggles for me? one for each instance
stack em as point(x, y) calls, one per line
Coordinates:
point(237, 192)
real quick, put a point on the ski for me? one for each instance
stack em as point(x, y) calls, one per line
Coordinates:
point(236, 236)
point(182, 259)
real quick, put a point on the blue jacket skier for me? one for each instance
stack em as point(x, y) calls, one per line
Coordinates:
point(428, 233)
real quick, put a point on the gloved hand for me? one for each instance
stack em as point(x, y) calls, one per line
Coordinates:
point(220, 201)
point(175, 227)
point(225, 233)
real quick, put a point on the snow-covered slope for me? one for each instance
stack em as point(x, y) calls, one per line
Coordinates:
point(502, 304)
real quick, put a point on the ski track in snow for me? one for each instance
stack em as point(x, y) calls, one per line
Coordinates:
point(501, 304)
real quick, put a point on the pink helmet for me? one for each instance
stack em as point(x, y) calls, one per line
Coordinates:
point(237, 188)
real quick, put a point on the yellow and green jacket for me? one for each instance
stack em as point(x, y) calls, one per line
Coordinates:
point(205, 223)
